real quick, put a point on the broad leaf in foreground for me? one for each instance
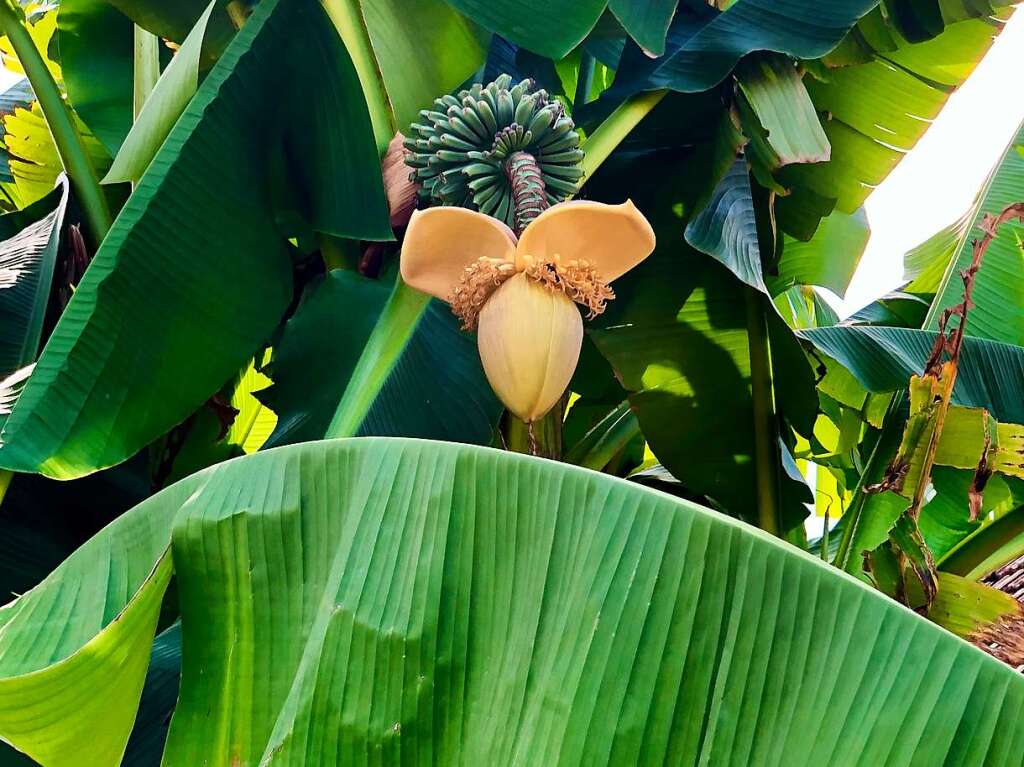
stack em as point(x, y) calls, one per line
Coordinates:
point(462, 604)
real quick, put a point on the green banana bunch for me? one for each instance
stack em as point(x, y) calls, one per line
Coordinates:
point(460, 149)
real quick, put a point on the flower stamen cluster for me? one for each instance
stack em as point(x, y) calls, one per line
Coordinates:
point(577, 279)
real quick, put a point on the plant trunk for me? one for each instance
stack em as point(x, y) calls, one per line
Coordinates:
point(766, 451)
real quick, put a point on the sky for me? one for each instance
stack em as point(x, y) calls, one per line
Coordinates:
point(938, 179)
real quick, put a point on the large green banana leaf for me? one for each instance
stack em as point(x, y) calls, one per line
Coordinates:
point(173, 21)
point(677, 335)
point(709, 46)
point(879, 90)
point(830, 258)
point(415, 67)
point(397, 601)
point(727, 228)
point(647, 22)
point(881, 94)
point(705, 46)
point(194, 275)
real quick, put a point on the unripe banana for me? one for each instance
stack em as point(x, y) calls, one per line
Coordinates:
point(529, 338)
point(470, 137)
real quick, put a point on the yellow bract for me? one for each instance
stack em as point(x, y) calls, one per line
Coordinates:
point(441, 242)
point(529, 339)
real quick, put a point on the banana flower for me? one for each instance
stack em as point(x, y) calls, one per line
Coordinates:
point(520, 294)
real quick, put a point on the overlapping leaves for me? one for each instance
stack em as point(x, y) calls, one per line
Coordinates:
point(151, 333)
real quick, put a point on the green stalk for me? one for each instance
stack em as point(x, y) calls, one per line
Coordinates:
point(988, 548)
point(609, 134)
point(5, 482)
point(67, 139)
point(584, 80)
point(338, 253)
point(146, 68)
point(385, 345)
point(606, 439)
point(543, 438)
point(348, 20)
point(766, 454)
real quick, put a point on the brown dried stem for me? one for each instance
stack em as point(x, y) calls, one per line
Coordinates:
point(953, 343)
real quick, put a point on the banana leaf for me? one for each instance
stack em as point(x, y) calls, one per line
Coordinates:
point(448, 604)
point(194, 275)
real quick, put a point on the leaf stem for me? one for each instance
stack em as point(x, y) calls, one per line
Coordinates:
point(395, 326)
point(541, 438)
point(766, 454)
point(146, 67)
point(66, 137)
point(606, 439)
point(584, 80)
point(338, 253)
point(609, 134)
point(5, 482)
point(348, 20)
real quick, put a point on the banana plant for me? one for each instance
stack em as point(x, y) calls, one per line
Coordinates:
point(883, 358)
point(254, 278)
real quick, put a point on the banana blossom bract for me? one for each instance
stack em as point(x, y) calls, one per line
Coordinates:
point(520, 293)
